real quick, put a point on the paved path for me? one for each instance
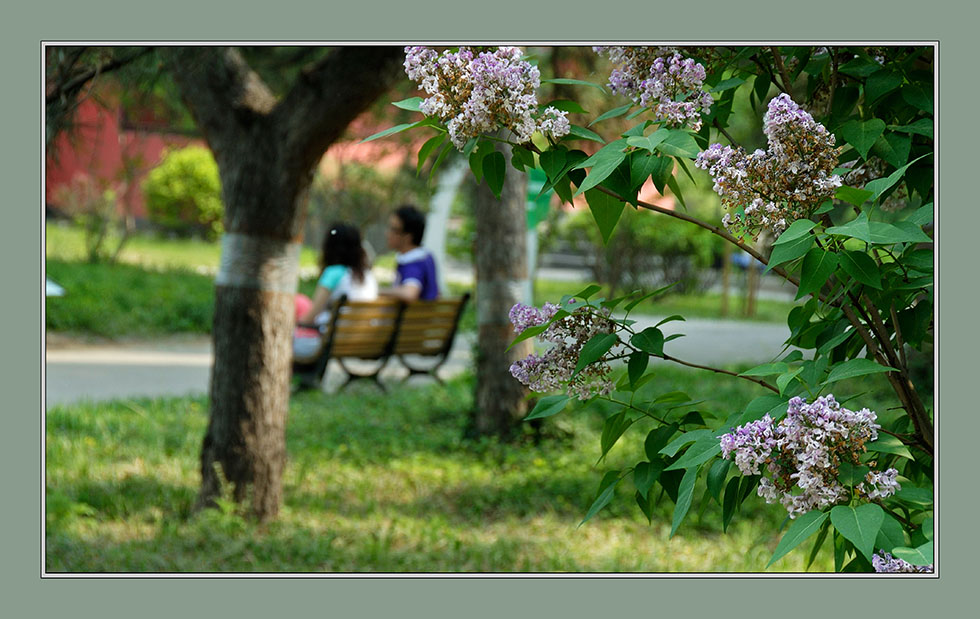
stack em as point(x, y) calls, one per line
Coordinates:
point(181, 366)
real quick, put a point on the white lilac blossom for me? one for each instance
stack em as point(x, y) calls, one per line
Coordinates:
point(777, 186)
point(660, 79)
point(883, 562)
point(800, 456)
point(478, 92)
point(552, 371)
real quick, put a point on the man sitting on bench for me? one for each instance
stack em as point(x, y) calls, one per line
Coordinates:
point(415, 274)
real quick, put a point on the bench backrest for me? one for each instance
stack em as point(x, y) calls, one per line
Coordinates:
point(363, 329)
point(428, 327)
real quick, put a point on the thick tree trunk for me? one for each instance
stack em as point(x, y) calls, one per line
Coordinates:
point(266, 151)
point(501, 279)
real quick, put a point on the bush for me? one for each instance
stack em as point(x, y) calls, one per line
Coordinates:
point(183, 193)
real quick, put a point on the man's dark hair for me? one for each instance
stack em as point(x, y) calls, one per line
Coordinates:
point(413, 222)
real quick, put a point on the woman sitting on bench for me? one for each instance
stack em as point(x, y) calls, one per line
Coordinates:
point(345, 270)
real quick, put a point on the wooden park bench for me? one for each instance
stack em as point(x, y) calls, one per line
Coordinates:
point(420, 334)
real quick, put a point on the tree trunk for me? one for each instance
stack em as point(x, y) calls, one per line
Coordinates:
point(266, 151)
point(501, 279)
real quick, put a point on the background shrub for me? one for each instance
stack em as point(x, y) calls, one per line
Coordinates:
point(183, 193)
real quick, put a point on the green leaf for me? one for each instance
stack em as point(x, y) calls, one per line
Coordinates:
point(602, 164)
point(888, 444)
point(766, 369)
point(859, 525)
point(684, 495)
point(914, 495)
point(484, 148)
point(662, 171)
point(676, 190)
point(783, 380)
point(927, 528)
point(587, 292)
point(855, 367)
point(594, 349)
point(851, 475)
point(716, 477)
point(835, 341)
point(818, 266)
point(791, 250)
point(922, 215)
point(494, 170)
point(916, 556)
point(619, 111)
point(443, 153)
point(650, 340)
point(573, 82)
point(890, 535)
point(679, 144)
point(880, 83)
point(730, 502)
point(553, 162)
point(862, 135)
point(547, 406)
point(923, 126)
point(858, 228)
point(817, 544)
point(649, 142)
point(646, 474)
point(851, 195)
point(389, 131)
point(802, 528)
point(684, 439)
point(861, 267)
point(919, 96)
point(581, 132)
point(411, 104)
point(612, 429)
point(700, 452)
point(880, 185)
point(899, 232)
point(769, 403)
point(606, 210)
point(604, 497)
point(427, 149)
point(894, 148)
point(732, 82)
point(797, 230)
point(656, 439)
point(521, 158)
point(637, 366)
point(673, 318)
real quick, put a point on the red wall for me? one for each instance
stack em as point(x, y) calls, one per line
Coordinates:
point(99, 147)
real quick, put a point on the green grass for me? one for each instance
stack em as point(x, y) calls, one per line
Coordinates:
point(687, 305)
point(380, 484)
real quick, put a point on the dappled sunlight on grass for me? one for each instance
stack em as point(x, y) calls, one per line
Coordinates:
point(374, 483)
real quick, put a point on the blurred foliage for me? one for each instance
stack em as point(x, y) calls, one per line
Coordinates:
point(183, 193)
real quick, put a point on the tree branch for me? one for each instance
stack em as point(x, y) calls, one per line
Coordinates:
point(315, 111)
point(71, 86)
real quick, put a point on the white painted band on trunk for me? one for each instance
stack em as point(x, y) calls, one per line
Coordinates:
point(490, 294)
point(259, 263)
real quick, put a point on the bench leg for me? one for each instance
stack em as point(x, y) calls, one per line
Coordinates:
point(352, 376)
point(414, 371)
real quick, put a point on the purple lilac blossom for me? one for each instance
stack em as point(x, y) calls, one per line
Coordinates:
point(552, 370)
point(477, 93)
point(786, 182)
point(660, 79)
point(799, 457)
point(884, 562)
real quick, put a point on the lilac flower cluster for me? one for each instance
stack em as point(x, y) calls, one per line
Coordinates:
point(885, 562)
point(802, 454)
point(779, 185)
point(661, 79)
point(476, 93)
point(552, 371)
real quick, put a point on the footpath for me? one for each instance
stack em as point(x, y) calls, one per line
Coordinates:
point(77, 370)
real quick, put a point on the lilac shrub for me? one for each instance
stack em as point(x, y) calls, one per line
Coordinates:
point(802, 454)
point(552, 371)
point(885, 562)
point(478, 92)
point(769, 189)
point(660, 79)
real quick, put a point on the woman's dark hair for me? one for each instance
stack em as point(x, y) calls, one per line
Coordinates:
point(413, 222)
point(342, 245)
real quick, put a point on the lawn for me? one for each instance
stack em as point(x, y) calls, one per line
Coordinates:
point(380, 484)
